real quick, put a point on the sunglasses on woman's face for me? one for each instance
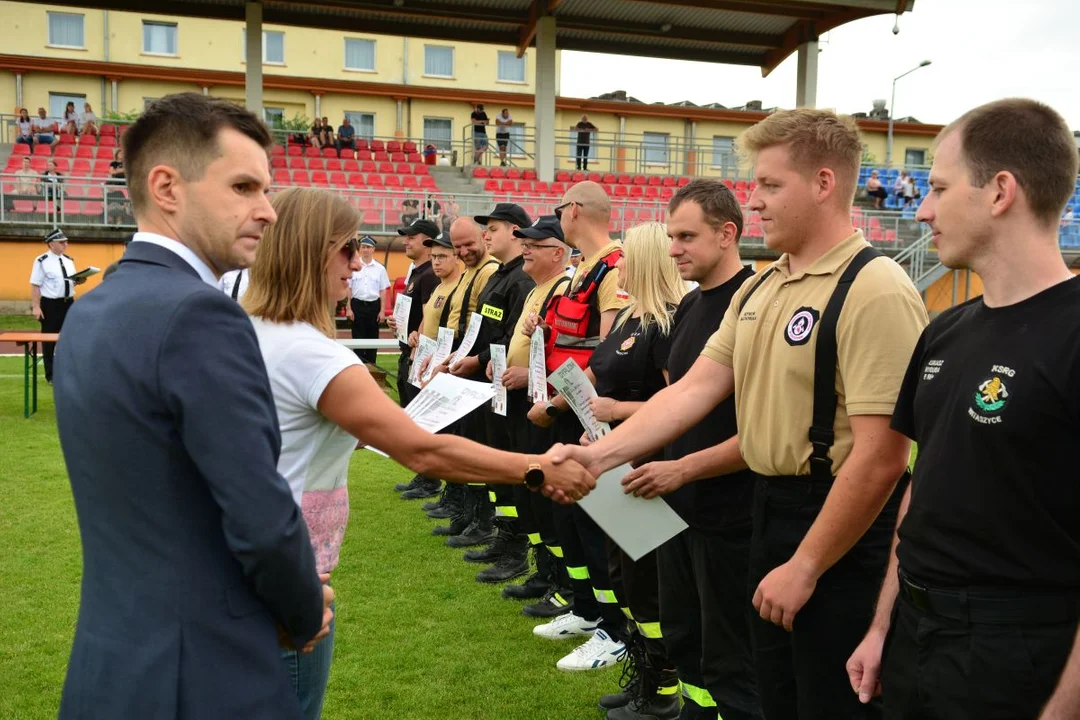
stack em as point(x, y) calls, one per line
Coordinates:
point(352, 246)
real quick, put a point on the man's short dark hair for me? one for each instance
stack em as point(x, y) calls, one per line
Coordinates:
point(1026, 138)
point(718, 204)
point(181, 131)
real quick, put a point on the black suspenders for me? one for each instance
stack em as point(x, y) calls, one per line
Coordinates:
point(825, 400)
point(463, 316)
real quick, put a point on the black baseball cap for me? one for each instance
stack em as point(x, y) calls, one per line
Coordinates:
point(546, 226)
point(442, 240)
point(420, 226)
point(507, 212)
point(55, 235)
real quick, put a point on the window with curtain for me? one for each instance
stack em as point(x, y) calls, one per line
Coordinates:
point(571, 144)
point(67, 29)
point(363, 122)
point(273, 47)
point(511, 67)
point(914, 156)
point(655, 146)
point(159, 38)
point(59, 101)
point(439, 60)
point(723, 151)
point(359, 54)
point(517, 140)
point(438, 132)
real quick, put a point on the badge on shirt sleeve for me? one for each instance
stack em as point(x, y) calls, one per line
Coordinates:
point(801, 325)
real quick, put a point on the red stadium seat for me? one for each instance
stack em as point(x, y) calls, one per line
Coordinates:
point(375, 180)
point(652, 192)
point(640, 180)
point(498, 173)
point(81, 167)
point(491, 185)
point(480, 172)
point(529, 174)
point(594, 177)
point(729, 183)
point(740, 185)
point(403, 168)
point(20, 149)
point(577, 177)
point(636, 191)
point(101, 167)
point(329, 152)
point(409, 146)
point(397, 157)
point(667, 193)
point(311, 151)
point(372, 217)
point(278, 162)
point(295, 150)
point(364, 155)
point(71, 207)
point(64, 151)
point(91, 140)
point(95, 192)
point(540, 188)
point(299, 176)
point(427, 182)
point(741, 196)
point(297, 163)
point(609, 189)
point(275, 150)
point(316, 163)
point(333, 164)
point(683, 181)
point(420, 169)
point(74, 190)
point(392, 181)
point(82, 152)
point(507, 186)
point(525, 186)
point(103, 153)
point(67, 139)
point(625, 179)
point(410, 181)
point(393, 146)
point(377, 145)
point(369, 166)
point(108, 141)
point(108, 129)
point(413, 157)
point(43, 150)
point(513, 174)
point(557, 188)
point(562, 176)
point(318, 177)
point(93, 209)
point(668, 182)
point(23, 207)
point(356, 180)
point(350, 166)
point(362, 144)
point(621, 190)
point(386, 167)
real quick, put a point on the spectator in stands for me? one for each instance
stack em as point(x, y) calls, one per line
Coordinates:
point(410, 212)
point(908, 190)
point(451, 211)
point(45, 129)
point(88, 121)
point(316, 137)
point(326, 135)
point(26, 180)
point(116, 167)
point(503, 121)
point(585, 130)
point(71, 119)
point(876, 190)
point(25, 125)
point(346, 136)
point(479, 121)
point(898, 186)
point(1067, 218)
point(433, 211)
point(51, 179)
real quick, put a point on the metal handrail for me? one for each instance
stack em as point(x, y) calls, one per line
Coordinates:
point(920, 261)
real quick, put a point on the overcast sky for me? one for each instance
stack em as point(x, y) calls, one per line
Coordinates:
point(981, 50)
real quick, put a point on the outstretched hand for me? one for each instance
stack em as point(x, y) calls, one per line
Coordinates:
point(654, 479)
point(567, 481)
point(585, 455)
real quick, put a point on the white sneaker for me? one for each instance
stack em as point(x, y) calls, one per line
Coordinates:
point(600, 651)
point(566, 626)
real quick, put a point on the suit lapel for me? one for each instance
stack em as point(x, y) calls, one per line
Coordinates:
point(149, 253)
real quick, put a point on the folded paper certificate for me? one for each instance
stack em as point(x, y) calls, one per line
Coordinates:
point(498, 367)
point(636, 525)
point(83, 274)
point(402, 308)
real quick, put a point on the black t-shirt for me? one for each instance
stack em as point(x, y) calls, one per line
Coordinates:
point(992, 397)
point(630, 361)
point(719, 503)
point(422, 282)
point(481, 116)
point(584, 132)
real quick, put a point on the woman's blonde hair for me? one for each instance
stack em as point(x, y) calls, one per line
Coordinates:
point(651, 277)
point(288, 278)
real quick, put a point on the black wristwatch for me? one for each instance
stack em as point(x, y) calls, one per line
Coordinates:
point(551, 410)
point(534, 475)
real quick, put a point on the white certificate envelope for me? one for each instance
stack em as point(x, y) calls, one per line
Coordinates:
point(636, 525)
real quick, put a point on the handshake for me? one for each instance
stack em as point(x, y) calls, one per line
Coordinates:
point(570, 473)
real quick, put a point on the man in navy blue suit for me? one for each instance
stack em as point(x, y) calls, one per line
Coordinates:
point(196, 559)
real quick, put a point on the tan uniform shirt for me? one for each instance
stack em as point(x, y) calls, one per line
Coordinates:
point(771, 344)
point(517, 354)
point(482, 272)
point(607, 295)
point(433, 309)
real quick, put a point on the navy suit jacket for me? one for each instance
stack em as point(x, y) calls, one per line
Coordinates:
point(193, 548)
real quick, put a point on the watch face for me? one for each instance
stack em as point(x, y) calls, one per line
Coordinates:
point(534, 478)
point(551, 410)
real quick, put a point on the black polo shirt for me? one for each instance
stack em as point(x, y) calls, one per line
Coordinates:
point(500, 306)
point(422, 282)
point(717, 503)
point(992, 397)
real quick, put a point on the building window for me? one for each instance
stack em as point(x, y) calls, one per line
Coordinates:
point(723, 151)
point(511, 67)
point(359, 54)
point(159, 38)
point(571, 141)
point(914, 157)
point(67, 30)
point(516, 146)
point(364, 123)
point(274, 116)
point(273, 47)
point(59, 101)
point(438, 61)
point(438, 132)
point(655, 148)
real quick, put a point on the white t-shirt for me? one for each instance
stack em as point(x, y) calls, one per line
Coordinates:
point(301, 362)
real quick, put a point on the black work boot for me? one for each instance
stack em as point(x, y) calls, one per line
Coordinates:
point(452, 493)
point(511, 565)
point(459, 522)
point(537, 584)
point(411, 485)
point(480, 529)
point(428, 487)
point(629, 681)
point(501, 544)
point(556, 601)
point(655, 695)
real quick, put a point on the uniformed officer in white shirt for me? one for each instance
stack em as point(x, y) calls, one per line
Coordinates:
point(234, 283)
point(52, 290)
point(369, 294)
point(575, 260)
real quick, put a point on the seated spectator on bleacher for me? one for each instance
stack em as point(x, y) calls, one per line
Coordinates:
point(898, 186)
point(346, 136)
point(451, 211)
point(24, 128)
point(434, 212)
point(26, 180)
point(326, 135)
point(116, 167)
point(1067, 218)
point(876, 190)
point(51, 179)
point(908, 190)
point(410, 212)
point(71, 119)
point(316, 136)
point(88, 121)
point(45, 129)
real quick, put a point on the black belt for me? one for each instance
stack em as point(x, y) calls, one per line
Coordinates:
point(59, 300)
point(367, 301)
point(989, 607)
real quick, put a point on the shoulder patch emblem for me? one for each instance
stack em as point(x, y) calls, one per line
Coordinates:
point(801, 326)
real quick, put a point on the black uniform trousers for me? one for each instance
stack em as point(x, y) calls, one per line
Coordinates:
point(406, 391)
point(705, 618)
point(498, 435)
point(582, 157)
point(584, 547)
point(975, 654)
point(802, 674)
point(365, 325)
point(535, 515)
point(53, 311)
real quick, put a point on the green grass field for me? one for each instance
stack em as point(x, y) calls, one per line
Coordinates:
point(18, 322)
point(417, 637)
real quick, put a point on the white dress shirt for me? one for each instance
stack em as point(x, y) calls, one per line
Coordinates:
point(48, 273)
point(228, 281)
point(369, 281)
point(185, 253)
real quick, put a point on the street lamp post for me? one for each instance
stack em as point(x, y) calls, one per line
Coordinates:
point(892, 112)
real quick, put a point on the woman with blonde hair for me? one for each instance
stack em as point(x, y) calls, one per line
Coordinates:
point(326, 399)
point(628, 368)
